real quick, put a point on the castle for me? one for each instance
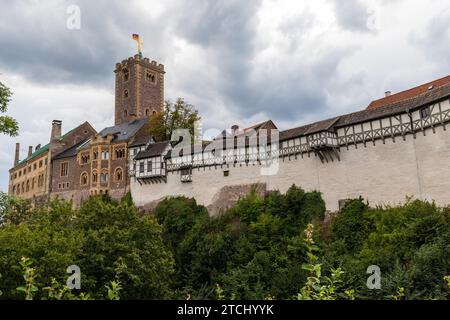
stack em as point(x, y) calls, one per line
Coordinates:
point(395, 148)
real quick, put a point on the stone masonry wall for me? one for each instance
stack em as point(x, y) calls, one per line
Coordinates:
point(383, 174)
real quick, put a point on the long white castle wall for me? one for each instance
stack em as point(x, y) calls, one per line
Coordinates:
point(383, 174)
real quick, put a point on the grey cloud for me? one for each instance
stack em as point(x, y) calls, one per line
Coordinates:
point(352, 14)
point(40, 46)
point(434, 39)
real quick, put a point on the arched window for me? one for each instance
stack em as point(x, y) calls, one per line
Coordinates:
point(118, 175)
point(154, 112)
point(126, 75)
point(104, 178)
point(147, 112)
point(84, 180)
point(94, 177)
point(120, 154)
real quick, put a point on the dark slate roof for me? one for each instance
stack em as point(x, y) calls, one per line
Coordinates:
point(324, 125)
point(124, 131)
point(140, 141)
point(153, 150)
point(71, 152)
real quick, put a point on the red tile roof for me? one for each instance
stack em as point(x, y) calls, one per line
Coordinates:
point(408, 94)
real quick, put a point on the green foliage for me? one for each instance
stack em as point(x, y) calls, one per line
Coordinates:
point(13, 210)
point(107, 240)
point(29, 275)
point(252, 251)
point(178, 115)
point(318, 286)
point(8, 125)
point(265, 247)
point(410, 243)
point(118, 241)
point(114, 290)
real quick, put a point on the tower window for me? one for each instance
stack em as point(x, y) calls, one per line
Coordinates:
point(125, 93)
point(126, 75)
point(149, 76)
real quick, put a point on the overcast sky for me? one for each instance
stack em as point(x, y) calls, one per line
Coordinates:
point(238, 62)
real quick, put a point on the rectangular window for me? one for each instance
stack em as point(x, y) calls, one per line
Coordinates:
point(105, 155)
point(226, 173)
point(186, 175)
point(425, 113)
point(141, 167)
point(64, 169)
point(104, 178)
point(149, 166)
point(40, 164)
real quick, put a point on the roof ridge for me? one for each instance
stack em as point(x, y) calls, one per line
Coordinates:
point(425, 87)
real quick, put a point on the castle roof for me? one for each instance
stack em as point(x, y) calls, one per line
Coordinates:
point(153, 150)
point(124, 131)
point(45, 148)
point(420, 100)
point(409, 94)
point(71, 152)
point(140, 141)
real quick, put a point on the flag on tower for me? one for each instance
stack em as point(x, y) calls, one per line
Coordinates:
point(139, 41)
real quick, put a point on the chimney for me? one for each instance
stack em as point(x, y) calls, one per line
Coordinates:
point(56, 130)
point(30, 151)
point(16, 158)
point(388, 93)
point(234, 129)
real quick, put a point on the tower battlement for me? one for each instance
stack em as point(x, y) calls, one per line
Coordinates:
point(137, 59)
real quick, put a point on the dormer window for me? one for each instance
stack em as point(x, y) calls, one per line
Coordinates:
point(425, 112)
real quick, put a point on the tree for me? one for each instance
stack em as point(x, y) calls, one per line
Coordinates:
point(121, 244)
point(178, 115)
point(8, 125)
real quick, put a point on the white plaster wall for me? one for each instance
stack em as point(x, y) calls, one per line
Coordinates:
point(383, 174)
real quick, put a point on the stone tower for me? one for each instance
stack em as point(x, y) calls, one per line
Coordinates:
point(139, 89)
